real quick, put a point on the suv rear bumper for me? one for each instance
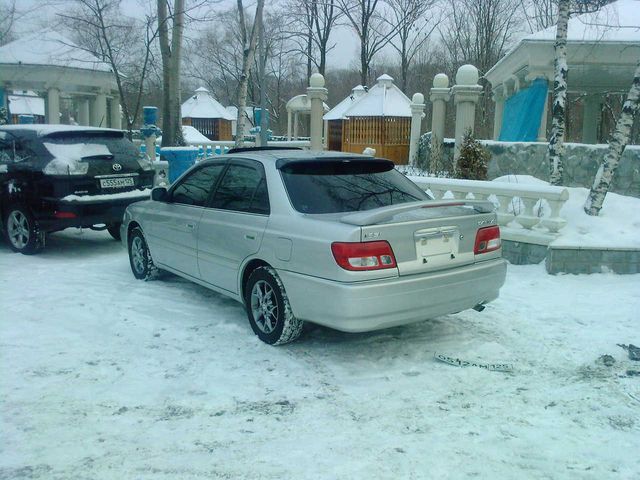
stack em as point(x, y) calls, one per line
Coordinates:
point(373, 305)
point(57, 214)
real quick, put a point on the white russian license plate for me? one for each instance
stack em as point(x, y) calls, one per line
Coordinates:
point(438, 243)
point(117, 182)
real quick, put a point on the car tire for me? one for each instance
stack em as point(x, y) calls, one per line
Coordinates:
point(268, 308)
point(140, 259)
point(21, 230)
point(114, 230)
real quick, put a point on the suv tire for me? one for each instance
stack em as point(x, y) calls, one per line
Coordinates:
point(114, 230)
point(21, 230)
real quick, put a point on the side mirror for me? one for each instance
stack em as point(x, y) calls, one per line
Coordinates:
point(159, 194)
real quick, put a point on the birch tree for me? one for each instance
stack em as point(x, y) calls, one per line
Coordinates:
point(556, 141)
point(171, 52)
point(248, 42)
point(617, 144)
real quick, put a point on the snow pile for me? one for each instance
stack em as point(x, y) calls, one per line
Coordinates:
point(67, 158)
point(144, 194)
point(107, 377)
point(617, 226)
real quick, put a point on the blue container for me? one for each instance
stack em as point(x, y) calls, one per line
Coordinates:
point(180, 159)
point(150, 115)
point(26, 119)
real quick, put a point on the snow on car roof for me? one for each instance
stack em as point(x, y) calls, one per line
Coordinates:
point(42, 130)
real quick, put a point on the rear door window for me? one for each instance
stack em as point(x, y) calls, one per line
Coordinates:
point(196, 187)
point(347, 186)
point(243, 189)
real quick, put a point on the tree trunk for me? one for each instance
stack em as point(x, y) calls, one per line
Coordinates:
point(556, 142)
point(617, 144)
point(171, 54)
point(247, 61)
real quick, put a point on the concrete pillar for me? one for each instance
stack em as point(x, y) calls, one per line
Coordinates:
point(591, 118)
point(115, 114)
point(542, 131)
point(498, 98)
point(317, 94)
point(83, 111)
point(439, 96)
point(466, 94)
point(295, 125)
point(288, 124)
point(53, 106)
point(325, 144)
point(99, 111)
point(417, 112)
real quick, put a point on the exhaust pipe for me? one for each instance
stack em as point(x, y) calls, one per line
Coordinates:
point(479, 307)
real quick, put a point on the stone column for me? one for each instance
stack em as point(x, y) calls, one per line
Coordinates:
point(317, 94)
point(498, 98)
point(591, 118)
point(53, 106)
point(99, 111)
point(295, 125)
point(439, 96)
point(288, 124)
point(466, 94)
point(83, 111)
point(115, 114)
point(417, 112)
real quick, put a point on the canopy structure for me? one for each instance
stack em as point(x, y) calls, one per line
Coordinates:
point(379, 119)
point(207, 115)
point(335, 118)
point(26, 102)
point(603, 49)
point(299, 104)
point(54, 67)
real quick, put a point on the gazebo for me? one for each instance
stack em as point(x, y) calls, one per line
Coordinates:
point(603, 49)
point(52, 66)
point(335, 118)
point(207, 115)
point(299, 104)
point(380, 119)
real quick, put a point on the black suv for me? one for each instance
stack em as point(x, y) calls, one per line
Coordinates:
point(58, 176)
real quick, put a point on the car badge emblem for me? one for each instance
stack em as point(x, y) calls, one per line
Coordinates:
point(117, 167)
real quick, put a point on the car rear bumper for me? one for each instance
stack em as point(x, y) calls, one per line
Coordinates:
point(373, 305)
point(59, 214)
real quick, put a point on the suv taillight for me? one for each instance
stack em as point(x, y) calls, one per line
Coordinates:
point(363, 256)
point(487, 240)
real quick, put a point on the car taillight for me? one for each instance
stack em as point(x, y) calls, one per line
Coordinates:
point(363, 256)
point(64, 214)
point(487, 240)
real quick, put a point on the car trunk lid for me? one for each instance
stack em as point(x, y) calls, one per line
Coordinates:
point(426, 236)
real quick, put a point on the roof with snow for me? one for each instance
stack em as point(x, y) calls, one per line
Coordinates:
point(50, 48)
point(337, 112)
point(25, 103)
point(384, 99)
point(301, 104)
point(203, 105)
point(602, 51)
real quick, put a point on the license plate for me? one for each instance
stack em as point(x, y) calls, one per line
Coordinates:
point(117, 182)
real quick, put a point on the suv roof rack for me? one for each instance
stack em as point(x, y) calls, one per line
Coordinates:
point(258, 149)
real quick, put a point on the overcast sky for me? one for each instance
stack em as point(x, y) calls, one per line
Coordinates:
point(42, 14)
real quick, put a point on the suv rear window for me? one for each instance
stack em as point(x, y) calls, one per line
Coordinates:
point(347, 186)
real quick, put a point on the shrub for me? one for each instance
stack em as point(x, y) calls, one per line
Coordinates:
point(473, 160)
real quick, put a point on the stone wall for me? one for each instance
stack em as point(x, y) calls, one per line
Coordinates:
point(530, 158)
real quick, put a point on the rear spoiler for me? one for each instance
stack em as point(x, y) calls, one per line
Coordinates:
point(377, 215)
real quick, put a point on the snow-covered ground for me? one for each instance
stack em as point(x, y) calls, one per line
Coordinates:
point(106, 377)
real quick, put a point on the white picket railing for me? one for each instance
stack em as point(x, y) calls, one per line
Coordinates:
point(536, 208)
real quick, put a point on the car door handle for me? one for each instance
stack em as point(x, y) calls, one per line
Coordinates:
point(249, 236)
point(191, 226)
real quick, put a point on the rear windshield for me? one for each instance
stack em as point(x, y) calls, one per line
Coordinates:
point(333, 187)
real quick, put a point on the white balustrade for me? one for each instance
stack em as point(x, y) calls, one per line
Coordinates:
point(535, 208)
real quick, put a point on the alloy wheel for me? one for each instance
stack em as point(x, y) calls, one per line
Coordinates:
point(264, 306)
point(18, 229)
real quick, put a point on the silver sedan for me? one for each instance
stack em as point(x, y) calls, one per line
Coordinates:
point(337, 239)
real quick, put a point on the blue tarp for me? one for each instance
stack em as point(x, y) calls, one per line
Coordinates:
point(523, 112)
